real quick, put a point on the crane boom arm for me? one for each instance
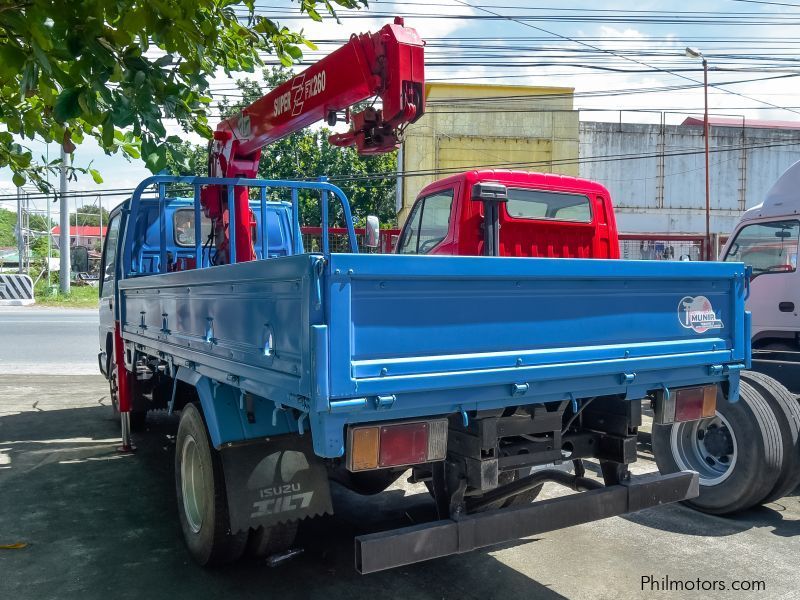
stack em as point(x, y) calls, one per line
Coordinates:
point(388, 64)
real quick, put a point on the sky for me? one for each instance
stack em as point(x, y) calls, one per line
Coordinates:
point(616, 58)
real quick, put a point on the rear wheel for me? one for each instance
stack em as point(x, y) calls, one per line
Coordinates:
point(737, 453)
point(787, 411)
point(202, 501)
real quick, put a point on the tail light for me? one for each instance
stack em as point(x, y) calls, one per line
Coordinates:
point(384, 445)
point(686, 404)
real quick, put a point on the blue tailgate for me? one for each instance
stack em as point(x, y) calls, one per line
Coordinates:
point(441, 333)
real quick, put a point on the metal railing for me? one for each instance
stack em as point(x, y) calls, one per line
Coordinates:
point(263, 187)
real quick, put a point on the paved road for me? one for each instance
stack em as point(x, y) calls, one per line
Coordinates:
point(103, 525)
point(54, 341)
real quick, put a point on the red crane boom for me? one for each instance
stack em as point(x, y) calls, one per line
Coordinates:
point(388, 64)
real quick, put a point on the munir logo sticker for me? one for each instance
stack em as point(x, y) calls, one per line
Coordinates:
point(697, 313)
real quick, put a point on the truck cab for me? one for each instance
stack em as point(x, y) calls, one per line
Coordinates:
point(766, 239)
point(542, 215)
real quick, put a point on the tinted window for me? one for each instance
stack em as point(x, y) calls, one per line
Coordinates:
point(766, 247)
point(108, 272)
point(539, 204)
point(183, 224)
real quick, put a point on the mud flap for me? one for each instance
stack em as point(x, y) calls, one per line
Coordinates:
point(276, 481)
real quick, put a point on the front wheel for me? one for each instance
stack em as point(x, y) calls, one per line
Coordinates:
point(737, 453)
point(202, 500)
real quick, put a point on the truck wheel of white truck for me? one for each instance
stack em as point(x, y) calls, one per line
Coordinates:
point(787, 411)
point(202, 501)
point(738, 453)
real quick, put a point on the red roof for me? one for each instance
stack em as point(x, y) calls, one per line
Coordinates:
point(743, 122)
point(81, 231)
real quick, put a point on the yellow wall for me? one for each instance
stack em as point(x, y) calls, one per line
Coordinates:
point(489, 126)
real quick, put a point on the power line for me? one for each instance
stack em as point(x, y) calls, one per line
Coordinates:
point(498, 165)
point(463, 2)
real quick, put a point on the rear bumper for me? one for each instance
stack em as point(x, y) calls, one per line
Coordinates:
point(408, 545)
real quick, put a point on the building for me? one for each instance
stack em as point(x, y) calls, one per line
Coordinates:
point(80, 235)
point(467, 126)
point(656, 173)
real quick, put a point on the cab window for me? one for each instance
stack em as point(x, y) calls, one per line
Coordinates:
point(108, 272)
point(539, 204)
point(766, 247)
point(183, 226)
point(428, 224)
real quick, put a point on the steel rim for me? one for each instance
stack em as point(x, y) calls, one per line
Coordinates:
point(192, 484)
point(692, 449)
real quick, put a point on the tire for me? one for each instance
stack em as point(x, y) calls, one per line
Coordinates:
point(265, 541)
point(742, 461)
point(200, 489)
point(138, 418)
point(787, 411)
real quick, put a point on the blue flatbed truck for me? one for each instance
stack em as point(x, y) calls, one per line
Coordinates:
point(476, 375)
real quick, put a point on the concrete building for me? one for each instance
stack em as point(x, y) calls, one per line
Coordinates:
point(468, 126)
point(656, 173)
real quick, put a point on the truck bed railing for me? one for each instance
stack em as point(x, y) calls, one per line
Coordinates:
point(264, 186)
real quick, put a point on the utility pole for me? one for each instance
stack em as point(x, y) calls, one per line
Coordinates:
point(695, 53)
point(63, 240)
point(20, 234)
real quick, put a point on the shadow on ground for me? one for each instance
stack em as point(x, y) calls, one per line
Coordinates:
point(100, 524)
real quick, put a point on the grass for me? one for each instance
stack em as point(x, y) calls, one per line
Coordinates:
point(84, 296)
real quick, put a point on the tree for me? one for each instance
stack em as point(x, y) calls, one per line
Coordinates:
point(89, 215)
point(307, 155)
point(116, 70)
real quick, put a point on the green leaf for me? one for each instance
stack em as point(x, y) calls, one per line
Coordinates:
point(108, 130)
point(98, 179)
point(294, 52)
point(67, 106)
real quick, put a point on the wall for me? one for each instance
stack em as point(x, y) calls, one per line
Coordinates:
point(464, 128)
point(657, 180)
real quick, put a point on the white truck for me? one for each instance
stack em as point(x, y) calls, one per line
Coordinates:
point(756, 440)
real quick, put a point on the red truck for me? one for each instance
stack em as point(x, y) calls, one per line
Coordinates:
point(539, 214)
point(746, 454)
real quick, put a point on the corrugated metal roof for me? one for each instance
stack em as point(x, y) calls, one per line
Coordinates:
point(81, 230)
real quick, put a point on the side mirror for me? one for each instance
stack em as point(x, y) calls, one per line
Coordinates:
point(373, 232)
point(493, 192)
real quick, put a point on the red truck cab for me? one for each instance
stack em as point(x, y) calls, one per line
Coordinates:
point(540, 215)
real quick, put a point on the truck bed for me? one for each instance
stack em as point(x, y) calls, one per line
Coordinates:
point(355, 338)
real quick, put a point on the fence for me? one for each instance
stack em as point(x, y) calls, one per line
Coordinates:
point(636, 246)
point(632, 246)
point(337, 236)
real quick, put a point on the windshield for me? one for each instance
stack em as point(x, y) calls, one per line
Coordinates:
point(766, 247)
